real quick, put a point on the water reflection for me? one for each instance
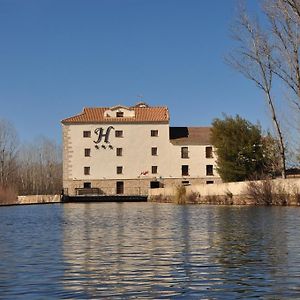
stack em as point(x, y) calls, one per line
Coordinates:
point(250, 249)
point(142, 250)
point(149, 251)
point(31, 264)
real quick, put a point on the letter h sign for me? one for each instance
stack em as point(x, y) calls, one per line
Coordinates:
point(101, 134)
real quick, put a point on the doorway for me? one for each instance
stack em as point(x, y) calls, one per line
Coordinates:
point(120, 188)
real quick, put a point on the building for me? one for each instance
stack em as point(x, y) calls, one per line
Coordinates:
point(127, 150)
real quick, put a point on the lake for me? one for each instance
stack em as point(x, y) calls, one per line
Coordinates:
point(149, 251)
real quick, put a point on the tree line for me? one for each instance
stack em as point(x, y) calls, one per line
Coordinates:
point(29, 168)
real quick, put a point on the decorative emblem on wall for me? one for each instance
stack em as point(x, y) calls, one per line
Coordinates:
point(103, 135)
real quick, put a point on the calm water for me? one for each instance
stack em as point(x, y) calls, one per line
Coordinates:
point(145, 250)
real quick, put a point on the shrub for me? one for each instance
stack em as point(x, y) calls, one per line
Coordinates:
point(180, 195)
point(280, 195)
point(261, 192)
point(8, 196)
point(267, 192)
point(193, 197)
point(296, 196)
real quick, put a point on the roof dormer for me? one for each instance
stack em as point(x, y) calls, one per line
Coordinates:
point(119, 111)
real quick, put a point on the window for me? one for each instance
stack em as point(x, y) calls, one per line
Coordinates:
point(87, 170)
point(184, 152)
point(154, 132)
point(154, 185)
point(208, 152)
point(120, 114)
point(87, 185)
point(119, 151)
point(86, 133)
point(119, 170)
point(87, 152)
point(119, 133)
point(209, 182)
point(209, 170)
point(154, 169)
point(153, 151)
point(185, 170)
point(185, 182)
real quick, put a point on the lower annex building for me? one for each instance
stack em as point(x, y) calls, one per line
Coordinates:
point(127, 150)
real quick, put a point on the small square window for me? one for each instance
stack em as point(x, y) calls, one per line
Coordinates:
point(209, 182)
point(87, 170)
point(154, 132)
point(86, 133)
point(119, 170)
point(87, 185)
point(185, 182)
point(120, 114)
point(154, 151)
point(119, 133)
point(154, 169)
point(209, 170)
point(184, 152)
point(185, 170)
point(87, 152)
point(119, 151)
point(208, 152)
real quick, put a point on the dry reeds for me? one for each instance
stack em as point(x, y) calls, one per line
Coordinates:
point(8, 196)
point(267, 192)
point(180, 195)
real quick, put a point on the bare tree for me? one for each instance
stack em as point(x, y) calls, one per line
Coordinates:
point(37, 169)
point(9, 144)
point(40, 168)
point(284, 20)
point(253, 57)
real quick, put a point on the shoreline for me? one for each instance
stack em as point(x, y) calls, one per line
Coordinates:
point(275, 192)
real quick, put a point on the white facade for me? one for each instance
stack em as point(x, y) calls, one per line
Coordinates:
point(136, 153)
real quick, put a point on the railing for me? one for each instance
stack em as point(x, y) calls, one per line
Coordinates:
point(109, 191)
point(88, 191)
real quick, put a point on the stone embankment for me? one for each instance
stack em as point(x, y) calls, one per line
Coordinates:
point(38, 199)
point(264, 192)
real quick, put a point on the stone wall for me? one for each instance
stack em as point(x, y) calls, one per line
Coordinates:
point(108, 186)
point(36, 199)
point(285, 191)
point(132, 186)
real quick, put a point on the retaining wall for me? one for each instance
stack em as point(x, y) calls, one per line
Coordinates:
point(36, 199)
point(224, 193)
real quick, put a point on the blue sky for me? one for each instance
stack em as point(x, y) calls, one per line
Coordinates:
point(57, 56)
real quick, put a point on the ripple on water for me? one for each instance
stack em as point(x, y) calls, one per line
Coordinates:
point(147, 251)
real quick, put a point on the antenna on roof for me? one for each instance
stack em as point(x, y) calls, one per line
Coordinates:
point(140, 97)
point(141, 102)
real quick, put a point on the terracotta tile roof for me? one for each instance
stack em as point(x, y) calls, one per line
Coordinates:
point(190, 135)
point(142, 114)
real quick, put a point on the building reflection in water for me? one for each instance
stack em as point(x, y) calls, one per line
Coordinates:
point(151, 250)
point(134, 249)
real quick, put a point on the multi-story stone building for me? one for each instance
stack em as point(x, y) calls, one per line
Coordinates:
point(127, 150)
